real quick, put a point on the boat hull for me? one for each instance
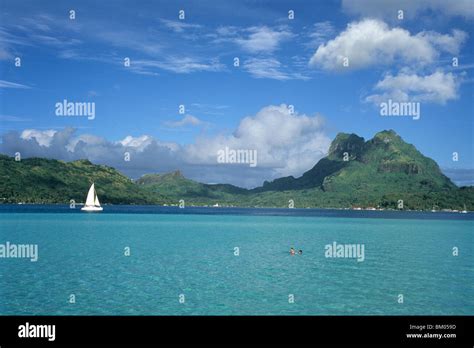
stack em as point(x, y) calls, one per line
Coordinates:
point(92, 209)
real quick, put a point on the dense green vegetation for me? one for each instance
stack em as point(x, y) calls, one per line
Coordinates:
point(356, 173)
point(376, 173)
point(39, 180)
point(176, 187)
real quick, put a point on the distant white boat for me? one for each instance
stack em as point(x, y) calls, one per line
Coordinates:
point(216, 205)
point(92, 201)
point(464, 211)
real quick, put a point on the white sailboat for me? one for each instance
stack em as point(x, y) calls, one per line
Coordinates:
point(464, 211)
point(92, 201)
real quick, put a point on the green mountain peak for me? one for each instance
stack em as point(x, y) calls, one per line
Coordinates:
point(351, 144)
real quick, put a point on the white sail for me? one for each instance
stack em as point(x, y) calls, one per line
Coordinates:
point(90, 196)
point(92, 201)
point(96, 200)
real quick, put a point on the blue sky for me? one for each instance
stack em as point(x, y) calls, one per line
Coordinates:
point(190, 62)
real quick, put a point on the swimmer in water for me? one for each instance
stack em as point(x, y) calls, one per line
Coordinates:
point(292, 251)
point(300, 252)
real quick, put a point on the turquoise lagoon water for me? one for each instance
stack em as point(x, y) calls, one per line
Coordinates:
point(191, 251)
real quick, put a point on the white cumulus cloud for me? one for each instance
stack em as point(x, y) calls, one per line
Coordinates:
point(286, 143)
point(43, 138)
point(372, 42)
point(438, 87)
point(139, 143)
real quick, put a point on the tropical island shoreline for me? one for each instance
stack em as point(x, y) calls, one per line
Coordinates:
point(383, 173)
point(363, 209)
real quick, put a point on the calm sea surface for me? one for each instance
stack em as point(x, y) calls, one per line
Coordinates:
point(191, 252)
